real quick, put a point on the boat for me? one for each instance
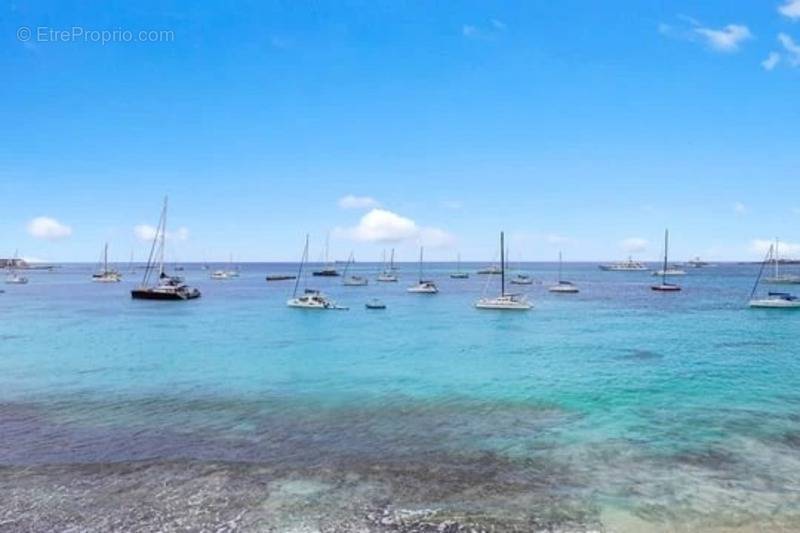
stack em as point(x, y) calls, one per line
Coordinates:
point(156, 283)
point(14, 278)
point(563, 286)
point(280, 277)
point(375, 304)
point(309, 298)
point(625, 266)
point(777, 277)
point(459, 274)
point(353, 281)
point(423, 286)
point(105, 274)
point(521, 279)
point(504, 302)
point(664, 286)
point(388, 275)
point(773, 300)
point(491, 270)
point(220, 275)
point(671, 270)
point(697, 263)
point(329, 270)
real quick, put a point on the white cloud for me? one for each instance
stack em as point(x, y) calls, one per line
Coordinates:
point(792, 49)
point(726, 39)
point(146, 232)
point(771, 61)
point(48, 228)
point(384, 226)
point(357, 202)
point(634, 244)
point(495, 27)
point(790, 9)
point(739, 208)
point(785, 249)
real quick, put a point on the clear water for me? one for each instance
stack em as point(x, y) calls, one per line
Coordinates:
point(617, 408)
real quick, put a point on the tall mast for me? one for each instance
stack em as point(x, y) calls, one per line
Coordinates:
point(105, 258)
point(163, 238)
point(300, 270)
point(502, 266)
point(775, 257)
point(559, 266)
point(666, 251)
point(420, 264)
point(391, 261)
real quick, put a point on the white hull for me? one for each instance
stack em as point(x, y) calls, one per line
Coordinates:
point(671, 272)
point(387, 278)
point(503, 303)
point(783, 280)
point(424, 288)
point(355, 282)
point(566, 289)
point(774, 303)
point(107, 279)
point(16, 280)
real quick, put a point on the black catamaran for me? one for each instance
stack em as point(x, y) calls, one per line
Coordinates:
point(156, 283)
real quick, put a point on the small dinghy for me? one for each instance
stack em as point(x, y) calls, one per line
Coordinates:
point(375, 304)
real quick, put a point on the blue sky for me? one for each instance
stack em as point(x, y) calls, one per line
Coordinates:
point(580, 126)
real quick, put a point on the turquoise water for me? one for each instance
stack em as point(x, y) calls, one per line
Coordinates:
point(616, 408)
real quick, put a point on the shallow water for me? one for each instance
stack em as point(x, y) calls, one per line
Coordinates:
point(614, 409)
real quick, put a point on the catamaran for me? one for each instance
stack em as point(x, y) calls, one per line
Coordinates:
point(388, 275)
point(664, 286)
point(625, 266)
point(563, 286)
point(459, 274)
point(773, 300)
point(329, 270)
point(504, 302)
point(14, 278)
point(423, 286)
point(104, 274)
point(309, 298)
point(352, 280)
point(161, 286)
point(777, 278)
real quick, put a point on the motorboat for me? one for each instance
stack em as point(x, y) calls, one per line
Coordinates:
point(375, 304)
point(625, 266)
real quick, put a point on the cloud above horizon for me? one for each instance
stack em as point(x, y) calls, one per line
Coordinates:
point(726, 39)
point(494, 28)
point(790, 9)
point(634, 245)
point(384, 226)
point(146, 233)
point(48, 228)
point(358, 202)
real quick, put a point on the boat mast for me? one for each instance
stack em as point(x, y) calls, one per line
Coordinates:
point(391, 261)
point(502, 266)
point(559, 266)
point(775, 257)
point(163, 238)
point(666, 251)
point(105, 259)
point(420, 264)
point(761, 271)
point(300, 270)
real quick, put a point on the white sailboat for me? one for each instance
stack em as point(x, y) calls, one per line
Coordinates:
point(504, 302)
point(563, 286)
point(388, 275)
point(423, 286)
point(14, 278)
point(664, 286)
point(309, 298)
point(773, 300)
point(104, 274)
point(352, 280)
point(777, 278)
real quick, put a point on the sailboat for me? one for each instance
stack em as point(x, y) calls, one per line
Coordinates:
point(106, 275)
point(664, 286)
point(388, 275)
point(310, 298)
point(773, 300)
point(161, 286)
point(504, 302)
point(352, 280)
point(328, 270)
point(459, 274)
point(563, 287)
point(777, 278)
point(223, 274)
point(14, 278)
point(423, 286)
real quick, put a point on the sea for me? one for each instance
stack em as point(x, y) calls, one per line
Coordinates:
point(614, 409)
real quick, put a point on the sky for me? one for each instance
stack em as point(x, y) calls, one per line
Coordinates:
point(587, 127)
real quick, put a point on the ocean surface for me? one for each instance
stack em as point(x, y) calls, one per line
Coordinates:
point(616, 409)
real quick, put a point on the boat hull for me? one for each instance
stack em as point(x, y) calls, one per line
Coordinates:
point(148, 294)
point(774, 304)
point(564, 290)
point(665, 288)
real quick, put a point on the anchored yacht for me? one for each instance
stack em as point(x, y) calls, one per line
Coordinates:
point(309, 298)
point(504, 302)
point(423, 286)
point(563, 286)
point(625, 266)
